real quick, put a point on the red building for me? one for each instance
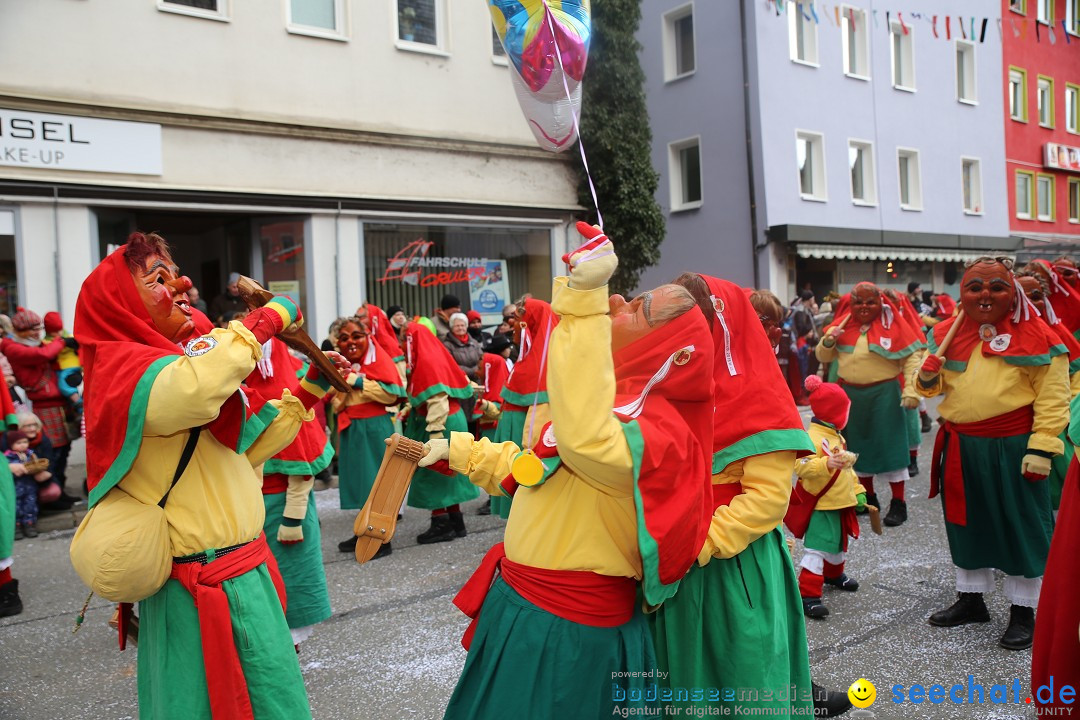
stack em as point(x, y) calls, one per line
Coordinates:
point(1041, 58)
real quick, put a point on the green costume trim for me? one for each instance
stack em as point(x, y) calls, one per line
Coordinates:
point(251, 428)
point(12, 420)
point(133, 436)
point(300, 467)
point(393, 389)
point(878, 350)
point(524, 399)
point(1018, 360)
point(424, 396)
point(654, 590)
point(759, 443)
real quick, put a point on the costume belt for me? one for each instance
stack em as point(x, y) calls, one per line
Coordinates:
point(842, 381)
point(359, 411)
point(579, 596)
point(202, 576)
point(724, 493)
point(949, 465)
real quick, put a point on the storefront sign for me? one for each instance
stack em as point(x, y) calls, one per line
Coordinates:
point(490, 290)
point(1062, 157)
point(412, 266)
point(67, 142)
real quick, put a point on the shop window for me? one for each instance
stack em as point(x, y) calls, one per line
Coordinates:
point(1018, 94)
point(802, 34)
point(283, 262)
point(211, 9)
point(1074, 200)
point(810, 157)
point(9, 286)
point(863, 179)
point(320, 18)
point(971, 179)
point(966, 91)
point(1045, 96)
point(680, 58)
point(1044, 186)
point(907, 162)
point(421, 22)
point(903, 56)
point(485, 268)
point(684, 161)
point(1072, 107)
point(856, 42)
point(1024, 182)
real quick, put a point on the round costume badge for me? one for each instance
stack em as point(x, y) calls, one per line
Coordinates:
point(987, 332)
point(200, 346)
point(1001, 342)
point(527, 468)
point(682, 357)
point(718, 304)
point(549, 437)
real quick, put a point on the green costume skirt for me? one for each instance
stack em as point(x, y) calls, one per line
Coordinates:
point(171, 675)
point(1059, 466)
point(301, 564)
point(914, 428)
point(360, 452)
point(527, 663)
point(510, 428)
point(1009, 519)
point(431, 490)
point(735, 629)
point(7, 511)
point(877, 428)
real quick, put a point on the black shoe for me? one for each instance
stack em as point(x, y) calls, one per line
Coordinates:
point(871, 499)
point(913, 468)
point(440, 531)
point(1021, 630)
point(843, 582)
point(457, 521)
point(969, 608)
point(383, 551)
point(926, 422)
point(56, 506)
point(828, 703)
point(73, 499)
point(485, 509)
point(30, 530)
point(814, 608)
point(10, 602)
point(897, 513)
point(348, 546)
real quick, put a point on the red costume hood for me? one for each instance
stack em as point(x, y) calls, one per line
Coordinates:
point(889, 335)
point(1066, 300)
point(383, 332)
point(1022, 338)
point(432, 370)
point(528, 380)
point(493, 375)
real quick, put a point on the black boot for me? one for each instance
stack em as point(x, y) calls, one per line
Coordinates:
point(925, 418)
point(485, 509)
point(1021, 630)
point(383, 551)
point(10, 602)
point(913, 468)
point(457, 521)
point(348, 546)
point(814, 608)
point(843, 582)
point(828, 703)
point(871, 499)
point(30, 530)
point(440, 531)
point(897, 512)
point(969, 608)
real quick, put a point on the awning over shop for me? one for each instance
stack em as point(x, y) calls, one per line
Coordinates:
point(867, 252)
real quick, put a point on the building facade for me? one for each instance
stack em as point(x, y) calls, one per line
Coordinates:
point(337, 150)
point(1041, 78)
point(804, 144)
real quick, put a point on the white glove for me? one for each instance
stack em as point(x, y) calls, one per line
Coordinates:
point(434, 451)
point(593, 264)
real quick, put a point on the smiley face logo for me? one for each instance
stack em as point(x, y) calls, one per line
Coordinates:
point(862, 693)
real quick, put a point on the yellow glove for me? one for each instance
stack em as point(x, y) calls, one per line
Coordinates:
point(1035, 467)
point(593, 264)
point(296, 501)
point(434, 451)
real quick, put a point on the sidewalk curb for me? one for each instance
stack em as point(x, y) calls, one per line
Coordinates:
point(65, 520)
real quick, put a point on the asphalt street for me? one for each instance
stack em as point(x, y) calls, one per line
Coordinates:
point(392, 648)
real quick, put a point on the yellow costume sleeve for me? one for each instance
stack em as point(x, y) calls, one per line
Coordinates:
point(438, 410)
point(485, 463)
point(814, 472)
point(912, 363)
point(766, 484)
point(282, 429)
point(190, 391)
point(826, 354)
point(582, 390)
point(1051, 384)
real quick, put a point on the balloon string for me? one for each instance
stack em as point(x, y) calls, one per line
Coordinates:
point(539, 379)
point(573, 114)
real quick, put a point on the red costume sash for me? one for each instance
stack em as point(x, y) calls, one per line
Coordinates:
point(224, 676)
point(1016, 422)
point(579, 596)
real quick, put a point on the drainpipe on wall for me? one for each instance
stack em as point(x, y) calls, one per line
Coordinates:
point(749, 146)
point(56, 246)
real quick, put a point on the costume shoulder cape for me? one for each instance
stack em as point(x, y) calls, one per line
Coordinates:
point(383, 333)
point(1028, 342)
point(889, 335)
point(528, 380)
point(431, 368)
point(493, 374)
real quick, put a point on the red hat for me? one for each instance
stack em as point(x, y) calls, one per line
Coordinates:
point(24, 319)
point(828, 401)
point(53, 322)
point(473, 315)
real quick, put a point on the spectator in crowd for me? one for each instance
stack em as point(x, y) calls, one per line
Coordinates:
point(463, 347)
point(804, 332)
point(30, 480)
point(34, 364)
point(441, 319)
point(228, 303)
point(915, 294)
point(30, 426)
point(398, 318)
point(476, 328)
point(196, 300)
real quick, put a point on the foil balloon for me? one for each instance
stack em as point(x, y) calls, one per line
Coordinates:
point(547, 43)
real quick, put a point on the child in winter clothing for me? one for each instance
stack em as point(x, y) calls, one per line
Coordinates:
point(69, 375)
point(833, 520)
point(21, 460)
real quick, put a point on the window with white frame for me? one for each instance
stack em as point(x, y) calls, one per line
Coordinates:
point(810, 158)
point(902, 42)
point(684, 161)
point(323, 18)
point(1044, 191)
point(420, 22)
point(679, 55)
point(856, 42)
point(1072, 108)
point(1045, 100)
point(1074, 200)
point(966, 91)
point(1072, 16)
point(802, 34)
point(1024, 182)
point(1019, 6)
point(907, 164)
point(1045, 11)
point(213, 9)
point(971, 179)
point(863, 178)
point(1018, 94)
